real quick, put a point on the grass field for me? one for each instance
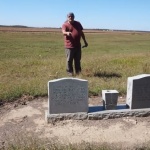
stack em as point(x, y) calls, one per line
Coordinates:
point(29, 59)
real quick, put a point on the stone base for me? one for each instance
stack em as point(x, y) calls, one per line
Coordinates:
point(98, 113)
point(111, 114)
point(64, 116)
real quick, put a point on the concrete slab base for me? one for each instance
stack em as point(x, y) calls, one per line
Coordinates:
point(49, 118)
point(98, 113)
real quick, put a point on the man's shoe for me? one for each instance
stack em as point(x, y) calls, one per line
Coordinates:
point(70, 74)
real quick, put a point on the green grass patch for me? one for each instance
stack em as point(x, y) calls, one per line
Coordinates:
point(28, 60)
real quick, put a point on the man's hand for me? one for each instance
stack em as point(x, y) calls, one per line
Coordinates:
point(68, 33)
point(85, 44)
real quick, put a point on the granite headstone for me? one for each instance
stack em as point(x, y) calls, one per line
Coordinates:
point(138, 91)
point(67, 95)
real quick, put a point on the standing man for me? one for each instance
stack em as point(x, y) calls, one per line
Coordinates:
point(72, 31)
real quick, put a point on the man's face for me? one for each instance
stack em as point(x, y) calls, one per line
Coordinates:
point(70, 18)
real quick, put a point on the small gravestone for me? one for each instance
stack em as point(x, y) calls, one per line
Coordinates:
point(67, 95)
point(110, 99)
point(138, 91)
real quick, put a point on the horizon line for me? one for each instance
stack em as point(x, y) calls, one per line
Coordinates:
point(102, 29)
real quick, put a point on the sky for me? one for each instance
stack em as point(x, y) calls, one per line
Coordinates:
point(92, 14)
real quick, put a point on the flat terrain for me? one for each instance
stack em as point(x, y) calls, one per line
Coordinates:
point(26, 116)
point(29, 61)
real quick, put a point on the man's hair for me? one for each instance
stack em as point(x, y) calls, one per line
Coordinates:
point(70, 14)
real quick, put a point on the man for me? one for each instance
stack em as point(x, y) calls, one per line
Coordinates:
point(72, 31)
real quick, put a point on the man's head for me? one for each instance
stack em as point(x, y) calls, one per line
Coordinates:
point(70, 17)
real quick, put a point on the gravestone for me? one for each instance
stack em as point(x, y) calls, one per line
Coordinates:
point(138, 91)
point(110, 99)
point(67, 95)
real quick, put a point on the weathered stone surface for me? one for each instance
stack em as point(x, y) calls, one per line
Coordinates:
point(65, 116)
point(104, 114)
point(110, 98)
point(118, 114)
point(138, 91)
point(67, 95)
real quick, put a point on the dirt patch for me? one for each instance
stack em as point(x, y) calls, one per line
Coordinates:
point(29, 117)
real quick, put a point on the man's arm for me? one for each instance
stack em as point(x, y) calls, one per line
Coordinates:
point(66, 33)
point(83, 37)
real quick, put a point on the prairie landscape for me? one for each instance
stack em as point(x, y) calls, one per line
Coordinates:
point(30, 57)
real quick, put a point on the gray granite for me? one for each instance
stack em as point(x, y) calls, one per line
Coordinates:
point(111, 114)
point(110, 99)
point(50, 118)
point(138, 91)
point(67, 95)
point(68, 99)
point(99, 114)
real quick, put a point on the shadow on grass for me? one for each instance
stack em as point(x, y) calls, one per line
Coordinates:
point(107, 75)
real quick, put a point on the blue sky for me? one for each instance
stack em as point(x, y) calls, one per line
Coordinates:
point(93, 14)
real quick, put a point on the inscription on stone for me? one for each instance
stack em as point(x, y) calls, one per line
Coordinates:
point(62, 95)
point(68, 95)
